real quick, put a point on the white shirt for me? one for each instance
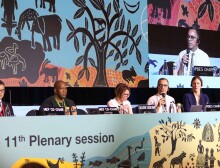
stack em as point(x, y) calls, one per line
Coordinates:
point(170, 103)
point(200, 58)
point(126, 103)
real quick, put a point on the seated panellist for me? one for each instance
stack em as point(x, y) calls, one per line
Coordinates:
point(122, 92)
point(195, 97)
point(5, 108)
point(59, 100)
point(163, 103)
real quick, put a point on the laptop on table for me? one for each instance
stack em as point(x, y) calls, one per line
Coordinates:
point(196, 108)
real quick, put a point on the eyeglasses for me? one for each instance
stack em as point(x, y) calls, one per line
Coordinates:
point(161, 85)
point(190, 37)
point(127, 94)
point(2, 91)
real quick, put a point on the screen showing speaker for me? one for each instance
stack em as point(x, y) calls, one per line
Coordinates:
point(164, 56)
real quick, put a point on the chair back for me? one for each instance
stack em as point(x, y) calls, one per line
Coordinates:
point(81, 112)
point(31, 112)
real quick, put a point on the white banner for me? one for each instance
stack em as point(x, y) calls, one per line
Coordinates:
point(141, 140)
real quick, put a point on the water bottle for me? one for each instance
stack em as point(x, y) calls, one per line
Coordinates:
point(161, 72)
point(165, 68)
point(172, 110)
point(182, 69)
point(174, 69)
point(178, 107)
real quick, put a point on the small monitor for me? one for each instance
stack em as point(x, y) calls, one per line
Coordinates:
point(54, 111)
point(196, 108)
point(92, 110)
point(108, 110)
point(143, 108)
point(212, 107)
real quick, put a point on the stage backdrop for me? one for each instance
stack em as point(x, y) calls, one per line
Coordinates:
point(87, 43)
point(137, 141)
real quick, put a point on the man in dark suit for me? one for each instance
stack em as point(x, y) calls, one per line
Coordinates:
point(5, 108)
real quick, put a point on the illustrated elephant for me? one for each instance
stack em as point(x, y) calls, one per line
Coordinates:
point(165, 5)
point(48, 26)
point(42, 4)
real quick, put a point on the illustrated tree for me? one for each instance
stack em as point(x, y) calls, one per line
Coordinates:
point(174, 131)
point(108, 37)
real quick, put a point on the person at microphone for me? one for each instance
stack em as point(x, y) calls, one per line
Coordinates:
point(195, 97)
point(6, 109)
point(122, 93)
point(163, 103)
point(192, 56)
point(59, 99)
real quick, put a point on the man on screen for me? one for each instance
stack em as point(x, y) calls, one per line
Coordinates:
point(163, 103)
point(59, 98)
point(192, 56)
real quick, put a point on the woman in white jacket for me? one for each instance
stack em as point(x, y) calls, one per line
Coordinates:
point(122, 93)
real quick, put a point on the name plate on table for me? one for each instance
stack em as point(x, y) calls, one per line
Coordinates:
point(108, 110)
point(146, 108)
point(54, 111)
point(203, 70)
point(212, 107)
